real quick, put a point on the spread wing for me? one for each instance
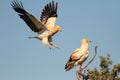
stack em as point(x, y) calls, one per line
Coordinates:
point(49, 14)
point(29, 19)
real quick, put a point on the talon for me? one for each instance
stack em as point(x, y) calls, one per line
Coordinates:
point(82, 67)
point(50, 47)
point(56, 46)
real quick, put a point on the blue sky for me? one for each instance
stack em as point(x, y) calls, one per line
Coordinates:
point(26, 59)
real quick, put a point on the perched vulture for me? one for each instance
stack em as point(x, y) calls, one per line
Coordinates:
point(78, 56)
point(45, 27)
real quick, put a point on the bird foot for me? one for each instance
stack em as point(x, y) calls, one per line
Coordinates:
point(50, 47)
point(82, 67)
point(56, 46)
point(53, 46)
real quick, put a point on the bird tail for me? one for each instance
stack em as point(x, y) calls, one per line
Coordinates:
point(69, 65)
point(32, 37)
point(37, 37)
point(18, 7)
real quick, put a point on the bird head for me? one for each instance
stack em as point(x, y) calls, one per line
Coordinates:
point(86, 40)
point(57, 28)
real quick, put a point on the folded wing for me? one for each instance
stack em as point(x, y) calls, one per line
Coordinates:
point(72, 60)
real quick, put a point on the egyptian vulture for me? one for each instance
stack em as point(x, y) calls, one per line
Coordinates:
point(45, 27)
point(79, 55)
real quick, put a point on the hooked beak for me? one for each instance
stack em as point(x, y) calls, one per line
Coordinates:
point(89, 41)
point(60, 30)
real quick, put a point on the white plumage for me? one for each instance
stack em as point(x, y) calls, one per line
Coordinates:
point(79, 55)
point(46, 27)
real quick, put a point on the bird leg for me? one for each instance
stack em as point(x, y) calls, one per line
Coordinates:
point(82, 68)
point(54, 45)
point(79, 72)
point(50, 46)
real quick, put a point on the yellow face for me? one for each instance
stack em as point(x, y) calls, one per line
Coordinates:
point(88, 40)
point(58, 28)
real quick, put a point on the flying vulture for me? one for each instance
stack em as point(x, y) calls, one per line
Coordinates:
point(45, 27)
point(79, 55)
